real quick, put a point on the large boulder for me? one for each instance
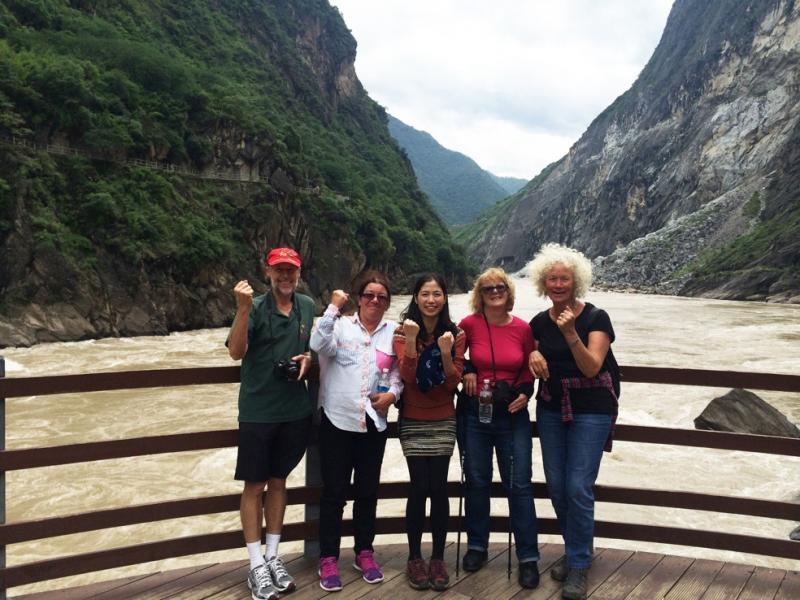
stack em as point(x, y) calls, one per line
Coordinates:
point(742, 411)
point(795, 535)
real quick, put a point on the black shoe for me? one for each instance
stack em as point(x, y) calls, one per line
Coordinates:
point(474, 560)
point(529, 574)
point(575, 584)
point(559, 569)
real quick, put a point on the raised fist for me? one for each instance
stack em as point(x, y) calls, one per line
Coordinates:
point(244, 295)
point(339, 298)
point(445, 342)
point(566, 321)
point(410, 328)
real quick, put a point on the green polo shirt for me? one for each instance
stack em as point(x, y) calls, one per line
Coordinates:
point(265, 397)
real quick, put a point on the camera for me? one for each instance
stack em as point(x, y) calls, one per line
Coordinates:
point(503, 393)
point(288, 369)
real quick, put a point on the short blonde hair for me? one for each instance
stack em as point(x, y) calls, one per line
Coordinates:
point(550, 255)
point(493, 273)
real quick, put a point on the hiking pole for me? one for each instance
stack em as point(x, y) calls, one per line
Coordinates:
point(460, 505)
point(510, 495)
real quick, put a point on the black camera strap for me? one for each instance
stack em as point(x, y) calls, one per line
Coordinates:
point(491, 348)
point(270, 305)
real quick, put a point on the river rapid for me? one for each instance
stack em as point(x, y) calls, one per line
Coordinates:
point(651, 330)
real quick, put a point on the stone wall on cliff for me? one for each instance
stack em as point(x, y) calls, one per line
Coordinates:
point(112, 299)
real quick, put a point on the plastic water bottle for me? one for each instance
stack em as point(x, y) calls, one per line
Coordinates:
point(485, 403)
point(383, 382)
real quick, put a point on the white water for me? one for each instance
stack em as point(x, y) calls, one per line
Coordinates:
point(651, 330)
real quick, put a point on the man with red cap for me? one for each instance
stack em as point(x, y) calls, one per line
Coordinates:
point(270, 334)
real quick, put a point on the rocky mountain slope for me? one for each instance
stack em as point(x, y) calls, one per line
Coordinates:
point(151, 152)
point(459, 189)
point(687, 182)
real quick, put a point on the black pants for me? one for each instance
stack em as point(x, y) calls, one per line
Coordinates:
point(343, 453)
point(428, 476)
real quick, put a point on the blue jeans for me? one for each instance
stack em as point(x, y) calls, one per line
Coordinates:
point(507, 434)
point(571, 454)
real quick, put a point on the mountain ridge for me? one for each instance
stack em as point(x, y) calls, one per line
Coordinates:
point(715, 107)
point(459, 189)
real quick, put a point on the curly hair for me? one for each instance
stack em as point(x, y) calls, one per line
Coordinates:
point(550, 255)
point(494, 274)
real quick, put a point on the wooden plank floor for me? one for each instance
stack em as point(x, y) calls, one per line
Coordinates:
point(615, 574)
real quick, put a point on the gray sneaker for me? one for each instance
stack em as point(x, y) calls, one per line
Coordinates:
point(280, 576)
point(260, 584)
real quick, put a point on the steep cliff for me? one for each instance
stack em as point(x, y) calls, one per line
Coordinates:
point(691, 175)
point(151, 152)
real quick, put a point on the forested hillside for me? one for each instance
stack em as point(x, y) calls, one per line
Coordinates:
point(258, 99)
point(459, 189)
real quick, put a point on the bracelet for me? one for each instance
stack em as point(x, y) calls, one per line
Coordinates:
point(573, 342)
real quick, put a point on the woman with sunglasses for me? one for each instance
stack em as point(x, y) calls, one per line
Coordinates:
point(499, 345)
point(354, 352)
point(430, 350)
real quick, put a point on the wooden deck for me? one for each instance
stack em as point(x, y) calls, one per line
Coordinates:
point(615, 574)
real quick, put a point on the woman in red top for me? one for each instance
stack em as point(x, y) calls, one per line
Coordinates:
point(430, 350)
point(499, 344)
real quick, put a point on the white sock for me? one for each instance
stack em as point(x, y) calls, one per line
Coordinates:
point(272, 545)
point(254, 550)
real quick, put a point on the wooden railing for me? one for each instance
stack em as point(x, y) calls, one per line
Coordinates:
point(23, 531)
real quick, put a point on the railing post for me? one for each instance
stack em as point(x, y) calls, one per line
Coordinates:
point(313, 471)
point(2, 473)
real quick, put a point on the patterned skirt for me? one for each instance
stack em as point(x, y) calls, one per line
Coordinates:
point(427, 438)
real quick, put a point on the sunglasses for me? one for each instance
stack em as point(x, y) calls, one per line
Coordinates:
point(369, 297)
point(490, 289)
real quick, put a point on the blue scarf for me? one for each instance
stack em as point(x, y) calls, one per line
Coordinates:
point(430, 370)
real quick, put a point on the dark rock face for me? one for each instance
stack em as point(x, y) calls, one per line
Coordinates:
point(114, 300)
point(666, 172)
point(742, 411)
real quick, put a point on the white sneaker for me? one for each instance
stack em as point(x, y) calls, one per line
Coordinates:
point(280, 576)
point(260, 584)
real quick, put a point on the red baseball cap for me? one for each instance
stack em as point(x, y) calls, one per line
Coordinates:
point(283, 255)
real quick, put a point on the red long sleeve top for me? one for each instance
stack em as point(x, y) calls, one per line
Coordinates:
point(512, 344)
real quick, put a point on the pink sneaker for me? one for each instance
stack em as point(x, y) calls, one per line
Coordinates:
point(329, 579)
point(365, 562)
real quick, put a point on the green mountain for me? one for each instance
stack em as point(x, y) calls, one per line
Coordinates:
point(510, 184)
point(458, 188)
point(152, 151)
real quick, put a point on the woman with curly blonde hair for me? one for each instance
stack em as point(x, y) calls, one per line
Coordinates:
point(576, 401)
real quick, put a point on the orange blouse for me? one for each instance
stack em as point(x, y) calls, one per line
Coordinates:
point(437, 403)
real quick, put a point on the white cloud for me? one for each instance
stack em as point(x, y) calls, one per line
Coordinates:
point(511, 84)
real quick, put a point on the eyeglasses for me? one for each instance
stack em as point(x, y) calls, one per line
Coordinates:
point(500, 288)
point(370, 296)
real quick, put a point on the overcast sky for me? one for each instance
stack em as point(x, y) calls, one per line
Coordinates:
point(510, 83)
